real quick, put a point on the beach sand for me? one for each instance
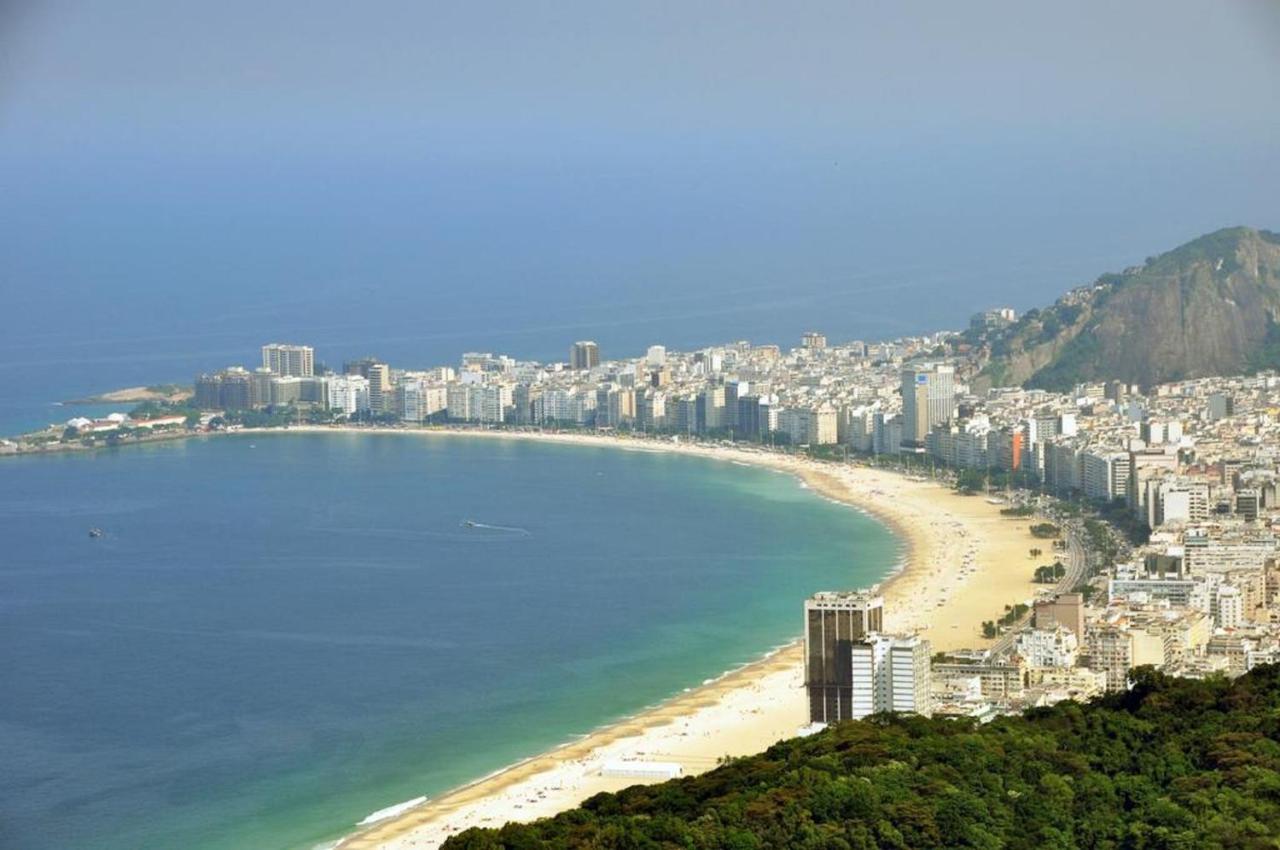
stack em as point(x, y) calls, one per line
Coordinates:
point(963, 562)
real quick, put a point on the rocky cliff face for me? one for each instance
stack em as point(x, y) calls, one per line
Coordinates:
point(1207, 308)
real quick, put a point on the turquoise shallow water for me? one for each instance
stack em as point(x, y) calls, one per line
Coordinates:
point(280, 634)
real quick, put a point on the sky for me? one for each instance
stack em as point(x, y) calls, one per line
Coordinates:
point(179, 180)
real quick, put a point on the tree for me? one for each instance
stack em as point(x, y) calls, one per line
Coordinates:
point(1045, 530)
point(1171, 763)
point(970, 481)
point(1050, 573)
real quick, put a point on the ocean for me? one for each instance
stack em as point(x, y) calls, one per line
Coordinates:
point(280, 634)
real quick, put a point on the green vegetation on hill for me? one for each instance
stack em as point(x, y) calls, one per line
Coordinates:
point(1209, 307)
point(1079, 361)
point(1267, 354)
point(1173, 764)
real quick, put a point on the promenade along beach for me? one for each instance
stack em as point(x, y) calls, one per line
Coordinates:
point(962, 563)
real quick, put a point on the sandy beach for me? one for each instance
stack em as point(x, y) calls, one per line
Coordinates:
point(963, 562)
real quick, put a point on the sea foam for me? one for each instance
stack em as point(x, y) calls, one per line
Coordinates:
point(392, 811)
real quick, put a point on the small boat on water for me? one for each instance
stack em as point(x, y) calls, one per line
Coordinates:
point(95, 532)
point(468, 523)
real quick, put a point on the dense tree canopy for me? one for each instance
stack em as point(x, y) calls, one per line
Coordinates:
point(1173, 764)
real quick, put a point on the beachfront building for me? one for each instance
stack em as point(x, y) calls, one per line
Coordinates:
point(418, 399)
point(890, 673)
point(833, 622)
point(928, 398)
point(284, 390)
point(348, 394)
point(808, 426)
point(493, 402)
point(295, 360)
point(461, 403)
point(378, 374)
point(229, 389)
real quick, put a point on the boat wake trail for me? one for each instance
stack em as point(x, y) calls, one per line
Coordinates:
point(509, 529)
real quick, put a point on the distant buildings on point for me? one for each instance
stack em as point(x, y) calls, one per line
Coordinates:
point(813, 341)
point(584, 354)
point(295, 360)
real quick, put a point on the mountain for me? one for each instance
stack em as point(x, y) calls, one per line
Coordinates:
point(1207, 308)
point(1172, 763)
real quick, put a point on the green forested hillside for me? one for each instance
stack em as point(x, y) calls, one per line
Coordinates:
point(1172, 764)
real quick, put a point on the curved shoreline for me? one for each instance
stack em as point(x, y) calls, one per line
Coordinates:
point(436, 811)
point(960, 563)
point(748, 708)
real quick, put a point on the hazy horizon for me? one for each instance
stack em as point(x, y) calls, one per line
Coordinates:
point(416, 181)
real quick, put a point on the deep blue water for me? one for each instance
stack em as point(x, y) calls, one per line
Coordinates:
point(280, 634)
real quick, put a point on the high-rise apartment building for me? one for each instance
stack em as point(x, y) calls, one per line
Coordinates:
point(1054, 647)
point(733, 390)
point(1248, 501)
point(813, 341)
point(460, 401)
point(348, 394)
point(1228, 607)
point(230, 389)
point(1219, 406)
point(1065, 610)
point(833, 622)
point(1179, 500)
point(492, 402)
point(381, 394)
point(260, 387)
point(418, 400)
point(585, 354)
point(890, 673)
point(928, 397)
point(285, 390)
point(282, 359)
point(711, 414)
point(809, 426)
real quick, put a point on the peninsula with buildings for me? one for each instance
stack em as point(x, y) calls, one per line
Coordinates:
point(1146, 514)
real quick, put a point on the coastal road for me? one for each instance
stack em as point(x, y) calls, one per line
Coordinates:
point(1077, 564)
point(1077, 559)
